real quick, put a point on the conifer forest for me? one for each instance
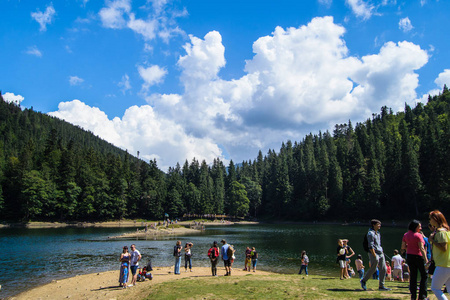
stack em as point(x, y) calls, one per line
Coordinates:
point(391, 166)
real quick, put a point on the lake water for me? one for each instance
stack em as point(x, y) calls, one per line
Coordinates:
point(32, 257)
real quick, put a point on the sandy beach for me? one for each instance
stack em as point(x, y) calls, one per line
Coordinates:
point(105, 285)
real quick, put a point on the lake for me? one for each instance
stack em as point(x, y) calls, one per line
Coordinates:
point(32, 257)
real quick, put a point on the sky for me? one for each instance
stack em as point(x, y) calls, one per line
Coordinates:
point(177, 80)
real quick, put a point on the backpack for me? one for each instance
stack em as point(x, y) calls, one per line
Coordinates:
point(212, 253)
point(365, 243)
point(230, 251)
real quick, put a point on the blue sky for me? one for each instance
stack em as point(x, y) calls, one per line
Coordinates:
point(181, 79)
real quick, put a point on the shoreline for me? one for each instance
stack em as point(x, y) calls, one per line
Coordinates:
point(105, 285)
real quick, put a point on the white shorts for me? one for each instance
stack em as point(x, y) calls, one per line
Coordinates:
point(342, 264)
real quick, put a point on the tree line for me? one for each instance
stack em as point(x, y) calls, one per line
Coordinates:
point(390, 166)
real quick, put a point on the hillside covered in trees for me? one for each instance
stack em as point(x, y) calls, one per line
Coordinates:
point(391, 166)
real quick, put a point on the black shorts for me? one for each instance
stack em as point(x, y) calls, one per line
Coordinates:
point(227, 263)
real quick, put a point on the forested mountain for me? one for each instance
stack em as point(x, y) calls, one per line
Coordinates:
point(391, 166)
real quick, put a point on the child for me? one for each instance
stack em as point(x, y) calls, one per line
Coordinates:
point(125, 275)
point(350, 271)
point(305, 261)
point(388, 272)
point(359, 266)
point(142, 273)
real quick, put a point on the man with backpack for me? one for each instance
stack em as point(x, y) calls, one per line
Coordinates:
point(226, 257)
point(372, 245)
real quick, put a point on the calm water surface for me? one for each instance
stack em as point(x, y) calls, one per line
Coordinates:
point(32, 257)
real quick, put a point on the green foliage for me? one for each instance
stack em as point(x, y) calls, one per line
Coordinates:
point(51, 170)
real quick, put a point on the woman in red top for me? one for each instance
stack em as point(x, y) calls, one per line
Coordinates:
point(416, 258)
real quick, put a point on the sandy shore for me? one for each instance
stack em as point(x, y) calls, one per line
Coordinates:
point(150, 233)
point(106, 286)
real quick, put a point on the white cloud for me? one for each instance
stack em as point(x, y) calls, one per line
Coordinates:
point(75, 80)
point(33, 50)
point(151, 75)
point(327, 3)
point(140, 129)
point(405, 24)
point(443, 78)
point(360, 8)
point(112, 15)
point(10, 97)
point(299, 80)
point(203, 58)
point(44, 18)
point(145, 28)
point(125, 84)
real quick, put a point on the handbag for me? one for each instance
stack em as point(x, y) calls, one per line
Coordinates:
point(431, 267)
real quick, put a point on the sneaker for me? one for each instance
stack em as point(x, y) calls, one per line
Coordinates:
point(363, 285)
point(130, 285)
point(383, 288)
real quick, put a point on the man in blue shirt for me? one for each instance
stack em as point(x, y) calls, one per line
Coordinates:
point(376, 256)
point(226, 259)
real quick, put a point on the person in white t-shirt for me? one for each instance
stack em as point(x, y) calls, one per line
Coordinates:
point(135, 257)
point(397, 260)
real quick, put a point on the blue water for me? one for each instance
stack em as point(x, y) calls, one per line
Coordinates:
point(32, 257)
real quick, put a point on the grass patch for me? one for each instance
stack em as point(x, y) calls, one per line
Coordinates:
point(276, 286)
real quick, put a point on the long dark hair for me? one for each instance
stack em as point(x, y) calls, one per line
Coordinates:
point(413, 225)
point(303, 253)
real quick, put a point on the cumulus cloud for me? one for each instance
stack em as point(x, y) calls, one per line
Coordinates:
point(112, 16)
point(33, 50)
point(405, 24)
point(443, 78)
point(145, 28)
point(298, 80)
point(140, 129)
point(44, 18)
point(151, 75)
point(361, 9)
point(11, 98)
point(75, 80)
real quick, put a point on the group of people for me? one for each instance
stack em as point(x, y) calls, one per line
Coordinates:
point(427, 256)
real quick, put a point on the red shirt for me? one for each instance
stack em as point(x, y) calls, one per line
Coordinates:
point(412, 240)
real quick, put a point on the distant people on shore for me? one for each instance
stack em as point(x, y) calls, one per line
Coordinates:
point(177, 254)
point(439, 240)
point(416, 256)
point(304, 264)
point(124, 262)
point(188, 256)
point(213, 254)
point(376, 256)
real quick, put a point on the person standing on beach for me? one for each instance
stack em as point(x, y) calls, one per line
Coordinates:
point(188, 256)
point(124, 261)
point(397, 262)
point(350, 253)
point(225, 257)
point(254, 258)
point(213, 254)
point(304, 265)
point(177, 253)
point(248, 259)
point(135, 257)
point(341, 253)
point(376, 256)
